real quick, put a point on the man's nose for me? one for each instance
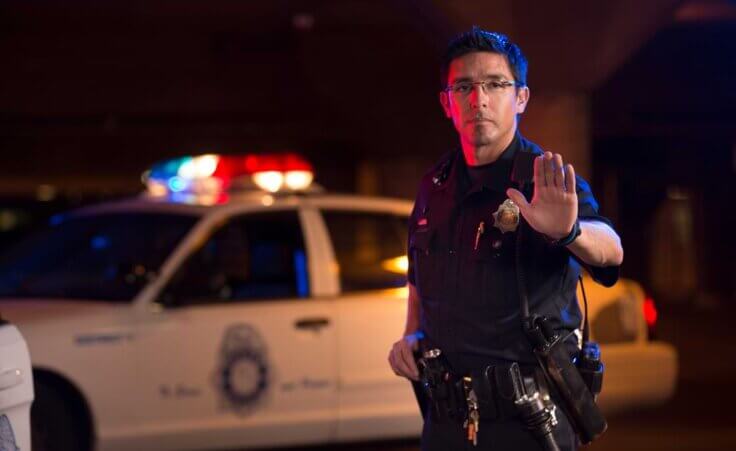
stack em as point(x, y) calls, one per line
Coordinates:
point(478, 97)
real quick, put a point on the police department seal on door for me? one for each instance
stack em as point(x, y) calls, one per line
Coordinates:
point(243, 374)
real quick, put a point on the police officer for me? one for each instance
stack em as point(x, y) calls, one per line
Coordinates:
point(463, 284)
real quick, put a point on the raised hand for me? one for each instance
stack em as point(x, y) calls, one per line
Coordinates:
point(554, 205)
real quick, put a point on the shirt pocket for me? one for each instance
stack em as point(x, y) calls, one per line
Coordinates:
point(427, 268)
point(495, 282)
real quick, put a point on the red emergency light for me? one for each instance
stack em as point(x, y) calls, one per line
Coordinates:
point(212, 174)
point(650, 312)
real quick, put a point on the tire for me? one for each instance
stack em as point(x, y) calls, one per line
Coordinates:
point(56, 422)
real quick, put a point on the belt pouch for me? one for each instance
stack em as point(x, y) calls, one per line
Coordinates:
point(485, 391)
point(577, 400)
point(506, 394)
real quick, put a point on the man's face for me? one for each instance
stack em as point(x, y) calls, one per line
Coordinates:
point(483, 117)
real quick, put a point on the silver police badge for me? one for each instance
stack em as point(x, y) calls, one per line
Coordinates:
point(506, 218)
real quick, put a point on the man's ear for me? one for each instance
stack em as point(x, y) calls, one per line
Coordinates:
point(445, 102)
point(522, 99)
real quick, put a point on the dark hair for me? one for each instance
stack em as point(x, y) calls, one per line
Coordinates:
point(479, 40)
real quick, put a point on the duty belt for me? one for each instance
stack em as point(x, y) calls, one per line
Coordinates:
point(495, 393)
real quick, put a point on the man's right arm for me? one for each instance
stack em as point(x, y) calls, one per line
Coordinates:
point(401, 357)
point(412, 311)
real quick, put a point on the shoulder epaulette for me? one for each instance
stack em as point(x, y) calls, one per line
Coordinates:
point(443, 168)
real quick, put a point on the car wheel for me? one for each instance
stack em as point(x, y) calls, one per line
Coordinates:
point(56, 424)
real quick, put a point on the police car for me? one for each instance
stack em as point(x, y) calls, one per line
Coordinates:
point(236, 304)
point(639, 371)
point(16, 390)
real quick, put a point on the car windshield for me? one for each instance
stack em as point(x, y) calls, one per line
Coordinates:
point(104, 257)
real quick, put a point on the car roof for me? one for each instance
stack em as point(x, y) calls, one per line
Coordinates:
point(256, 200)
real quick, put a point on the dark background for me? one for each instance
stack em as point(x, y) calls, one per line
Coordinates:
point(639, 95)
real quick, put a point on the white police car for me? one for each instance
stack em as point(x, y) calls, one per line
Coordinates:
point(16, 390)
point(232, 305)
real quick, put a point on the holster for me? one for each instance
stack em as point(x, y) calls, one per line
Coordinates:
point(577, 400)
point(441, 390)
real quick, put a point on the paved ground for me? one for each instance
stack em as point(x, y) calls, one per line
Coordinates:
point(702, 414)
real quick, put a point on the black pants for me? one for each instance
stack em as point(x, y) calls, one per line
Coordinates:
point(493, 436)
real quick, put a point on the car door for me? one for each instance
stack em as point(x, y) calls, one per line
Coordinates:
point(370, 251)
point(240, 354)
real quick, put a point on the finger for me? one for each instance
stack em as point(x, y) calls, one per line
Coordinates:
point(392, 362)
point(559, 172)
point(518, 199)
point(401, 367)
point(409, 364)
point(570, 179)
point(549, 171)
point(539, 171)
point(409, 361)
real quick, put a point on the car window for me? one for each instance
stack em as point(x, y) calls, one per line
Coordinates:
point(370, 249)
point(251, 257)
point(104, 257)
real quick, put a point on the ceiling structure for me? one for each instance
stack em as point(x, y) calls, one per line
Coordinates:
point(107, 88)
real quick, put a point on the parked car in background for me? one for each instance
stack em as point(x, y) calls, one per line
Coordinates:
point(236, 304)
point(640, 371)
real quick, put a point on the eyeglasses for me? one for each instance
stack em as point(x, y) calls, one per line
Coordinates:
point(464, 88)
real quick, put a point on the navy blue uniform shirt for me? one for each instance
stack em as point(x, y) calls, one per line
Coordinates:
point(469, 296)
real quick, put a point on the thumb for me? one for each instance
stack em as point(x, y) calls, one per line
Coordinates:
point(518, 199)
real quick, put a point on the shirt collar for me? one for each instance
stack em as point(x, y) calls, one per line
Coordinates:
point(496, 176)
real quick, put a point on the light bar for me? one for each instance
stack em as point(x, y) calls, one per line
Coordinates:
point(212, 174)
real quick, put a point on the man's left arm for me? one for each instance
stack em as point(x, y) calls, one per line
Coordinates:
point(597, 245)
point(553, 211)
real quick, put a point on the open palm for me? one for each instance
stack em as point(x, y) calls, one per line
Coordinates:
point(554, 205)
